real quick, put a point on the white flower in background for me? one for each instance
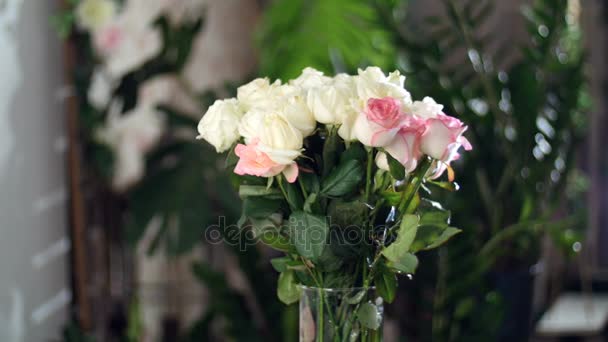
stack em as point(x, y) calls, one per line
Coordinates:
point(311, 78)
point(220, 125)
point(124, 50)
point(100, 90)
point(167, 89)
point(94, 14)
point(131, 136)
point(130, 39)
point(277, 137)
point(426, 109)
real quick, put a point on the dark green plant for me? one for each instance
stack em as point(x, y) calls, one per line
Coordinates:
point(329, 35)
point(526, 107)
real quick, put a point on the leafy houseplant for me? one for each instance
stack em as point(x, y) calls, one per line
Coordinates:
point(528, 106)
point(330, 174)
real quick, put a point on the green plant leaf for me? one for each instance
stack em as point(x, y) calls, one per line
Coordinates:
point(276, 240)
point(386, 283)
point(280, 264)
point(405, 236)
point(396, 169)
point(259, 190)
point(260, 207)
point(287, 289)
point(446, 235)
point(404, 262)
point(331, 150)
point(343, 179)
point(369, 316)
point(309, 234)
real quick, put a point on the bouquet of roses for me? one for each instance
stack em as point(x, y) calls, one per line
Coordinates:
point(330, 172)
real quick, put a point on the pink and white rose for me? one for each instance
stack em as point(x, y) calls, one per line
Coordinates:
point(378, 125)
point(255, 162)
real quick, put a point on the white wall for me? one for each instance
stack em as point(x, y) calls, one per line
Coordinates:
point(34, 288)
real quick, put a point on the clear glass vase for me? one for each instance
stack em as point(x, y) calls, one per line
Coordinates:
point(340, 315)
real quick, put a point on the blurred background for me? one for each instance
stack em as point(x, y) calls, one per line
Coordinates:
point(108, 205)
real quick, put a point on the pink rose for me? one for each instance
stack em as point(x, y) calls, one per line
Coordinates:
point(252, 161)
point(108, 38)
point(380, 122)
point(405, 148)
point(442, 139)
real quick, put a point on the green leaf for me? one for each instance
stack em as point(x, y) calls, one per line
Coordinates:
point(258, 190)
point(405, 236)
point(447, 234)
point(276, 240)
point(404, 262)
point(369, 317)
point(331, 148)
point(309, 234)
point(280, 264)
point(343, 214)
point(343, 179)
point(386, 283)
point(355, 151)
point(440, 218)
point(294, 196)
point(329, 262)
point(310, 202)
point(288, 290)
point(396, 169)
point(260, 207)
point(449, 186)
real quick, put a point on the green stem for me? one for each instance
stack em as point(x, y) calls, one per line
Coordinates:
point(417, 182)
point(320, 318)
point(304, 193)
point(368, 174)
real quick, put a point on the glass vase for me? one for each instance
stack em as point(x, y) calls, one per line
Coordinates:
point(340, 315)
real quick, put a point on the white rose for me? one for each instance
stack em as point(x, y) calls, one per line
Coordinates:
point(372, 83)
point(100, 91)
point(258, 93)
point(299, 114)
point(332, 104)
point(311, 78)
point(277, 136)
point(427, 108)
point(94, 14)
point(396, 78)
point(220, 125)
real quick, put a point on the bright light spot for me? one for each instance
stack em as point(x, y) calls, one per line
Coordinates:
point(479, 106)
point(577, 246)
point(543, 31)
point(545, 127)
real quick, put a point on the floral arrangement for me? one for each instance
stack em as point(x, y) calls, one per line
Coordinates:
point(134, 52)
point(330, 172)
